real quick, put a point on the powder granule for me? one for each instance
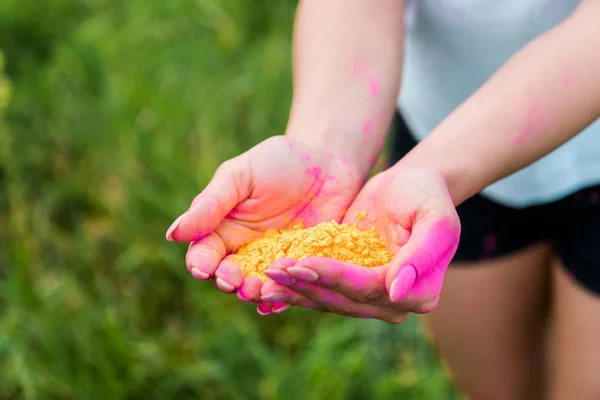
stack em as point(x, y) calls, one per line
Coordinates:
point(341, 242)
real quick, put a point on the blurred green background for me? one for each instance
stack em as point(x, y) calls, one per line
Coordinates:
point(114, 114)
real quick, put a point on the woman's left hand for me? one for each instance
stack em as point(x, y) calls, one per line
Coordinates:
point(415, 214)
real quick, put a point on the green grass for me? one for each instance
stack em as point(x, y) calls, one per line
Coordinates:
point(114, 115)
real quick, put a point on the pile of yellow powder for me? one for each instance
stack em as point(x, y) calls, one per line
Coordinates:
point(341, 242)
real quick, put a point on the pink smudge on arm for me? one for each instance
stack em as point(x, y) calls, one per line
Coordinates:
point(567, 80)
point(368, 126)
point(371, 81)
point(534, 123)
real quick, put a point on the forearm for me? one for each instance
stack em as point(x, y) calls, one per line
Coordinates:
point(543, 96)
point(347, 72)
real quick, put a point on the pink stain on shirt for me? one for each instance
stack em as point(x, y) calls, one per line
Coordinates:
point(594, 198)
point(489, 244)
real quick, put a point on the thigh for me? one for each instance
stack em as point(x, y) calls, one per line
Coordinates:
point(576, 357)
point(576, 366)
point(489, 324)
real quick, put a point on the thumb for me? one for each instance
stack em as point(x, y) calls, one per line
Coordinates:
point(419, 266)
point(229, 186)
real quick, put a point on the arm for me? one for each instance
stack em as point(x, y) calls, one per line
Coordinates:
point(347, 72)
point(543, 96)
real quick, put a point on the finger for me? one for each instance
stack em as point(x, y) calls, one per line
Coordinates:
point(229, 276)
point(341, 305)
point(250, 289)
point(204, 255)
point(229, 186)
point(272, 292)
point(419, 266)
point(356, 282)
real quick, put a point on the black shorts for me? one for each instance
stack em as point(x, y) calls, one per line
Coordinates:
point(490, 230)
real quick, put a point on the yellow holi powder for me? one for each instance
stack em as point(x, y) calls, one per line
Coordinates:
point(341, 242)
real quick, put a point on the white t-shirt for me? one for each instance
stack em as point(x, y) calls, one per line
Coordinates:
point(452, 48)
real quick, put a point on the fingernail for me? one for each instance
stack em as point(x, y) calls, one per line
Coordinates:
point(279, 308)
point(263, 309)
point(174, 226)
point(243, 298)
point(304, 274)
point(224, 286)
point(402, 283)
point(278, 297)
point(196, 273)
point(280, 277)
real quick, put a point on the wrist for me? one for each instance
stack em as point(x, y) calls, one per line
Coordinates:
point(344, 139)
point(460, 177)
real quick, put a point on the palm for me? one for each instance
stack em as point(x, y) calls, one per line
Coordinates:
point(414, 212)
point(276, 184)
point(289, 183)
point(389, 209)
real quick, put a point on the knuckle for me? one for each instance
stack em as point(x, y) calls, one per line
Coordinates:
point(368, 294)
point(398, 318)
point(427, 306)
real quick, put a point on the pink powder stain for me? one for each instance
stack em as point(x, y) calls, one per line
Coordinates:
point(371, 81)
point(567, 80)
point(533, 124)
point(368, 126)
point(372, 160)
point(431, 258)
point(489, 244)
point(290, 144)
point(594, 198)
point(306, 157)
point(370, 123)
point(314, 171)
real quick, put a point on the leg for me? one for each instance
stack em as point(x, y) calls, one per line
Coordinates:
point(489, 325)
point(576, 364)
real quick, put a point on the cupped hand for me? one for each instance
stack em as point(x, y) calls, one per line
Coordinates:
point(415, 214)
point(276, 184)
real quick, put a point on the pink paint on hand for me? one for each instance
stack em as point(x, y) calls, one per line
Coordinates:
point(432, 252)
point(314, 171)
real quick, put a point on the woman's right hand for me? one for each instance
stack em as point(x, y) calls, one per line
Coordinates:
point(274, 185)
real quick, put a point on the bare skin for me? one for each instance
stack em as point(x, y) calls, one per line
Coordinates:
point(576, 357)
point(490, 324)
